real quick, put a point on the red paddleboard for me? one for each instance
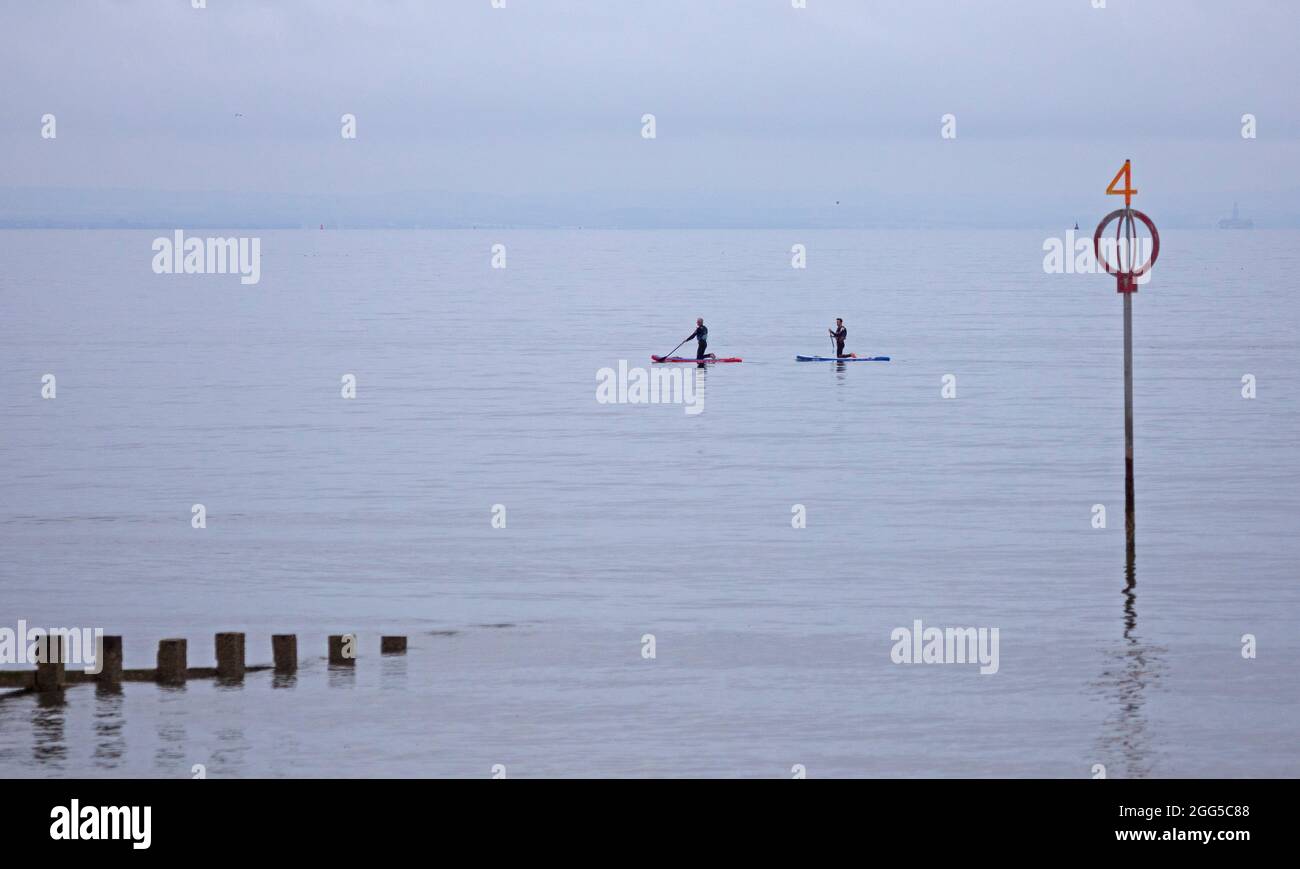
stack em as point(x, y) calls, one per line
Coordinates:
point(693, 361)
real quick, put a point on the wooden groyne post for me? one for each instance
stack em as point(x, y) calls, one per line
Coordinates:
point(284, 648)
point(173, 667)
point(51, 671)
point(110, 660)
point(343, 649)
point(230, 655)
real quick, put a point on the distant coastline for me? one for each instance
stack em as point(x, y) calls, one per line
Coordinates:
point(47, 208)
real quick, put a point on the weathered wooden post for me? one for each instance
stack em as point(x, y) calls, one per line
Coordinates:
point(1126, 272)
point(230, 655)
point(51, 674)
point(285, 649)
point(343, 648)
point(392, 645)
point(110, 660)
point(173, 661)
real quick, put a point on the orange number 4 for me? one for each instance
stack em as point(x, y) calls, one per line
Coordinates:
point(1127, 192)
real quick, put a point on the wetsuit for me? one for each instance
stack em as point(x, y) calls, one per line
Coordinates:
point(840, 334)
point(701, 334)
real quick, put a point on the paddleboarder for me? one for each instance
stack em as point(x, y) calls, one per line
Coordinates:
point(701, 335)
point(840, 333)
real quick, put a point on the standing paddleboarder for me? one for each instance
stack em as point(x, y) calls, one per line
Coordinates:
point(840, 333)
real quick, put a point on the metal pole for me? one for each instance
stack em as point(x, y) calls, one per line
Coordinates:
point(1126, 271)
point(1129, 518)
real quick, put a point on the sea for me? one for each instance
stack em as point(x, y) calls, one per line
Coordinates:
point(400, 432)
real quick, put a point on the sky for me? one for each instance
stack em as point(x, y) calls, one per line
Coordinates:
point(532, 113)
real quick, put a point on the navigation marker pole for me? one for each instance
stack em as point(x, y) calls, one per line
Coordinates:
point(1126, 272)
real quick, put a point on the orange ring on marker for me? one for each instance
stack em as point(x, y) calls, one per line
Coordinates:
point(1126, 280)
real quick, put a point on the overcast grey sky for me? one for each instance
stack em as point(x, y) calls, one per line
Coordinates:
point(841, 100)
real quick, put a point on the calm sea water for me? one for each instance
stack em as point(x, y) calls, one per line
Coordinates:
point(476, 387)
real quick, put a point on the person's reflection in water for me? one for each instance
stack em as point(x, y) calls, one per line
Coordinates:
point(110, 743)
point(695, 389)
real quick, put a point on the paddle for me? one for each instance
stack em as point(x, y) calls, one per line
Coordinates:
point(678, 347)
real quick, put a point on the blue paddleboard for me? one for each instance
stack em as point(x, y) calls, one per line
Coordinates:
point(842, 358)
